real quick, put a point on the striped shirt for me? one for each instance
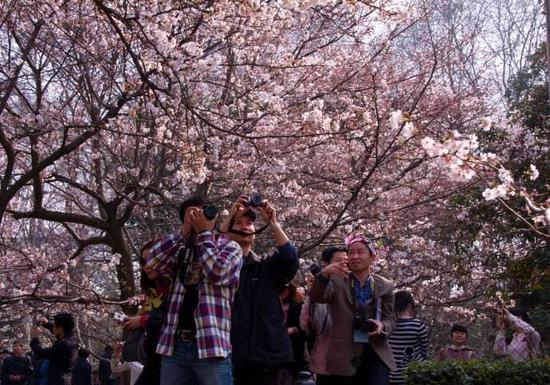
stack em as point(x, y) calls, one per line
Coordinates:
point(221, 262)
point(409, 342)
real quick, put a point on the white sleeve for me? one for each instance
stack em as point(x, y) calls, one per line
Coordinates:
point(520, 324)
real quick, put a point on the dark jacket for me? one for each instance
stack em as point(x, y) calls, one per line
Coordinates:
point(60, 357)
point(20, 366)
point(298, 340)
point(104, 369)
point(40, 376)
point(258, 332)
point(82, 372)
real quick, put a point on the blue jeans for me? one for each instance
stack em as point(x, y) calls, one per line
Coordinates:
point(185, 368)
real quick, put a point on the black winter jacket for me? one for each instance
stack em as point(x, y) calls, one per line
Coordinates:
point(20, 366)
point(60, 355)
point(82, 372)
point(258, 330)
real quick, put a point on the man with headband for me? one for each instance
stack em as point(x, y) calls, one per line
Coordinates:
point(260, 341)
point(361, 306)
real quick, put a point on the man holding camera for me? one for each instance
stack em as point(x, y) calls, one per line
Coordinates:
point(361, 309)
point(63, 351)
point(194, 342)
point(315, 318)
point(261, 345)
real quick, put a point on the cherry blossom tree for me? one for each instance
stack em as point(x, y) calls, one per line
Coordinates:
point(113, 111)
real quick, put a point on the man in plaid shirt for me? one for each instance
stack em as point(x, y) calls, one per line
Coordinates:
point(194, 342)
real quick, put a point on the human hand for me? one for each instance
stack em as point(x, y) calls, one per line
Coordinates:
point(35, 332)
point(268, 213)
point(379, 327)
point(239, 206)
point(300, 295)
point(339, 269)
point(309, 278)
point(131, 323)
point(117, 351)
point(500, 323)
point(199, 222)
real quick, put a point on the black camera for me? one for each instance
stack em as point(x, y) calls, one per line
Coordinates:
point(366, 325)
point(44, 322)
point(209, 212)
point(255, 200)
point(315, 269)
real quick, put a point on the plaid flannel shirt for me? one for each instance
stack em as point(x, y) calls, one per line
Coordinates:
point(221, 262)
point(524, 345)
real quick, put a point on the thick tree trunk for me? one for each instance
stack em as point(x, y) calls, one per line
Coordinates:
point(547, 9)
point(125, 271)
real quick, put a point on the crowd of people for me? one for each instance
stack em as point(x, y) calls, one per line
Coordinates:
point(218, 313)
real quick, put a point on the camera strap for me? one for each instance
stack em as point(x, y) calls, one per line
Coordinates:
point(360, 309)
point(184, 258)
point(231, 230)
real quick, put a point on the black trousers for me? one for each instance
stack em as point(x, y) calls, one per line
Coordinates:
point(372, 371)
point(150, 375)
point(331, 380)
point(250, 373)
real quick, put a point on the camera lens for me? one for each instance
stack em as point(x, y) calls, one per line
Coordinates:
point(255, 200)
point(210, 212)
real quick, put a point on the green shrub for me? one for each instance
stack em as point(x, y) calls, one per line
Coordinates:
point(479, 373)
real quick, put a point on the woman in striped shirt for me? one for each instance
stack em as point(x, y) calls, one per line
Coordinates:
point(409, 340)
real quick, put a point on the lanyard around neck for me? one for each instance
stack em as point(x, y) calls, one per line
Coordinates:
point(361, 308)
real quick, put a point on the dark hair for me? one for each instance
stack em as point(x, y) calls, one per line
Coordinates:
point(145, 282)
point(329, 252)
point(146, 246)
point(66, 321)
point(18, 343)
point(291, 292)
point(194, 200)
point(459, 328)
point(521, 313)
point(402, 299)
point(83, 353)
